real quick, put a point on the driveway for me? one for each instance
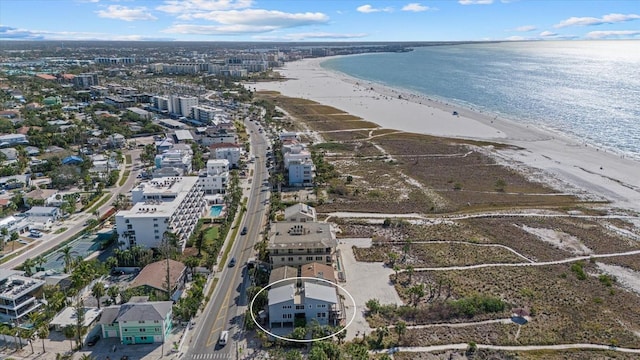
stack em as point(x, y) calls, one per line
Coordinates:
point(365, 281)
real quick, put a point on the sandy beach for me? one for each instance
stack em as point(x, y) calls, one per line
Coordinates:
point(563, 160)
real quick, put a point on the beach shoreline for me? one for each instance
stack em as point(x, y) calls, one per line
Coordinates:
point(596, 171)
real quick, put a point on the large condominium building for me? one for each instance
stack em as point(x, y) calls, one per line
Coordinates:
point(160, 102)
point(182, 105)
point(206, 114)
point(18, 295)
point(85, 80)
point(170, 204)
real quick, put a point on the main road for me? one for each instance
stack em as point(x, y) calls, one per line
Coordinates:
point(228, 303)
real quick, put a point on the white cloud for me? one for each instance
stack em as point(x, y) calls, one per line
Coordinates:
point(525, 28)
point(367, 9)
point(311, 36)
point(184, 9)
point(515, 38)
point(588, 21)
point(11, 33)
point(260, 17)
point(609, 34)
point(236, 29)
point(547, 34)
point(126, 13)
point(415, 7)
point(475, 2)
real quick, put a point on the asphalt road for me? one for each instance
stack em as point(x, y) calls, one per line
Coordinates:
point(228, 303)
point(76, 225)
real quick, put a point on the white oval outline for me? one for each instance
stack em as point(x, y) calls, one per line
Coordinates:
point(304, 340)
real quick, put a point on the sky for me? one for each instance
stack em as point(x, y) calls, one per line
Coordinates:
point(319, 20)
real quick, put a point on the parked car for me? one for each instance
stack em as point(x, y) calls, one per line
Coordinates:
point(93, 340)
point(224, 337)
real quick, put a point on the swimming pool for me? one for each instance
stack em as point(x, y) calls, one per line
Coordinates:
point(216, 210)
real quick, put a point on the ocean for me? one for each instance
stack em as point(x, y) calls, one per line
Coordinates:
point(588, 90)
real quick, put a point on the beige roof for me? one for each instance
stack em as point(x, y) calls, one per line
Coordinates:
point(155, 274)
point(40, 194)
point(317, 270)
point(281, 273)
point(307, 235)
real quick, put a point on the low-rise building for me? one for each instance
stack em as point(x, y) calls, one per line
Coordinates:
point(300, 212)
point(312, 301)
point(215, 177)
point(301, 173)
point(69, 317)
point(42, 217)
point(230, 152)
point(138, 323)
point(153, 278)
point(13, 139)
point(177, 159)
point(18, 295)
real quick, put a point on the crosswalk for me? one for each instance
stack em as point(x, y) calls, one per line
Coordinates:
point(206, 356)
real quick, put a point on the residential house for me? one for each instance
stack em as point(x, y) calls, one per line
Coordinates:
point(215, 177)
point(18, 295)
point(14, 224)
point(300, 212)
point(15, 181)
point(72, 160)
point(116, 141)
point(296, 244)
point(68, 316)
point(312, 301)
point(231, 152)
point(38, 196)
point(282, 273)
point(10, 154)
point(138, 322)
point(13, 139)
point(153, 278)
point(41, 217)
point(318, 271)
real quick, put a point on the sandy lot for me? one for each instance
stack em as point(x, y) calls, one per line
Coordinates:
point(365, 281)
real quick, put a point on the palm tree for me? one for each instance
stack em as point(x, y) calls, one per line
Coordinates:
point(43, 333)
point(98, 291)
point(113, 293)
point(39, 261)
point(401, 328)
point(67, 256)
point(69, 332)
point(86, 357)
point(28, 265)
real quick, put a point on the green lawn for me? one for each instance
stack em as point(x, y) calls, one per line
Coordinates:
point(210, 235)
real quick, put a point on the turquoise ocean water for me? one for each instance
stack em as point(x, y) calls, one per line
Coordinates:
point(589, 90)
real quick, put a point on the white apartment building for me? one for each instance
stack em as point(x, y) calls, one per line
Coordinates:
point(232, 154)
point(301, 156)
point(160, 102)
point(206, 114)
point(301, 173)
point(174, 158)
point(216, 176)
point(182, 105)
point(18, 295)
point(288, 135)
point(171, 204)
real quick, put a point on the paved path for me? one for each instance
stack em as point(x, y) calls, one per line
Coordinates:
point(464, 346)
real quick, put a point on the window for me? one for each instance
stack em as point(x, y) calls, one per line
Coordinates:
point(125, 330)
point(129, 227)
point(282, 259)
point(155, 219)
point(141, 321)
point(309, 258)
point(155, 225)
point(156, 321)
point(157, 329)
point(286, 306)
point(299, 307)
point(157, 237)
point(290, 258)
point(321, 305)
point(290, 251)
point(321, 315)
point(143, 330)
point(287, 316)
point(156, 231)
point(318, 258)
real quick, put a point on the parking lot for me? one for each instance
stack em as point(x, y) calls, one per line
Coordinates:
point(365, 281)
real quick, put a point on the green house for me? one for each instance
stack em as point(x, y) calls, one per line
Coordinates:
point(137, 322)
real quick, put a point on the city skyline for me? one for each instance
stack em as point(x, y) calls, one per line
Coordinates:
point(253, 20)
